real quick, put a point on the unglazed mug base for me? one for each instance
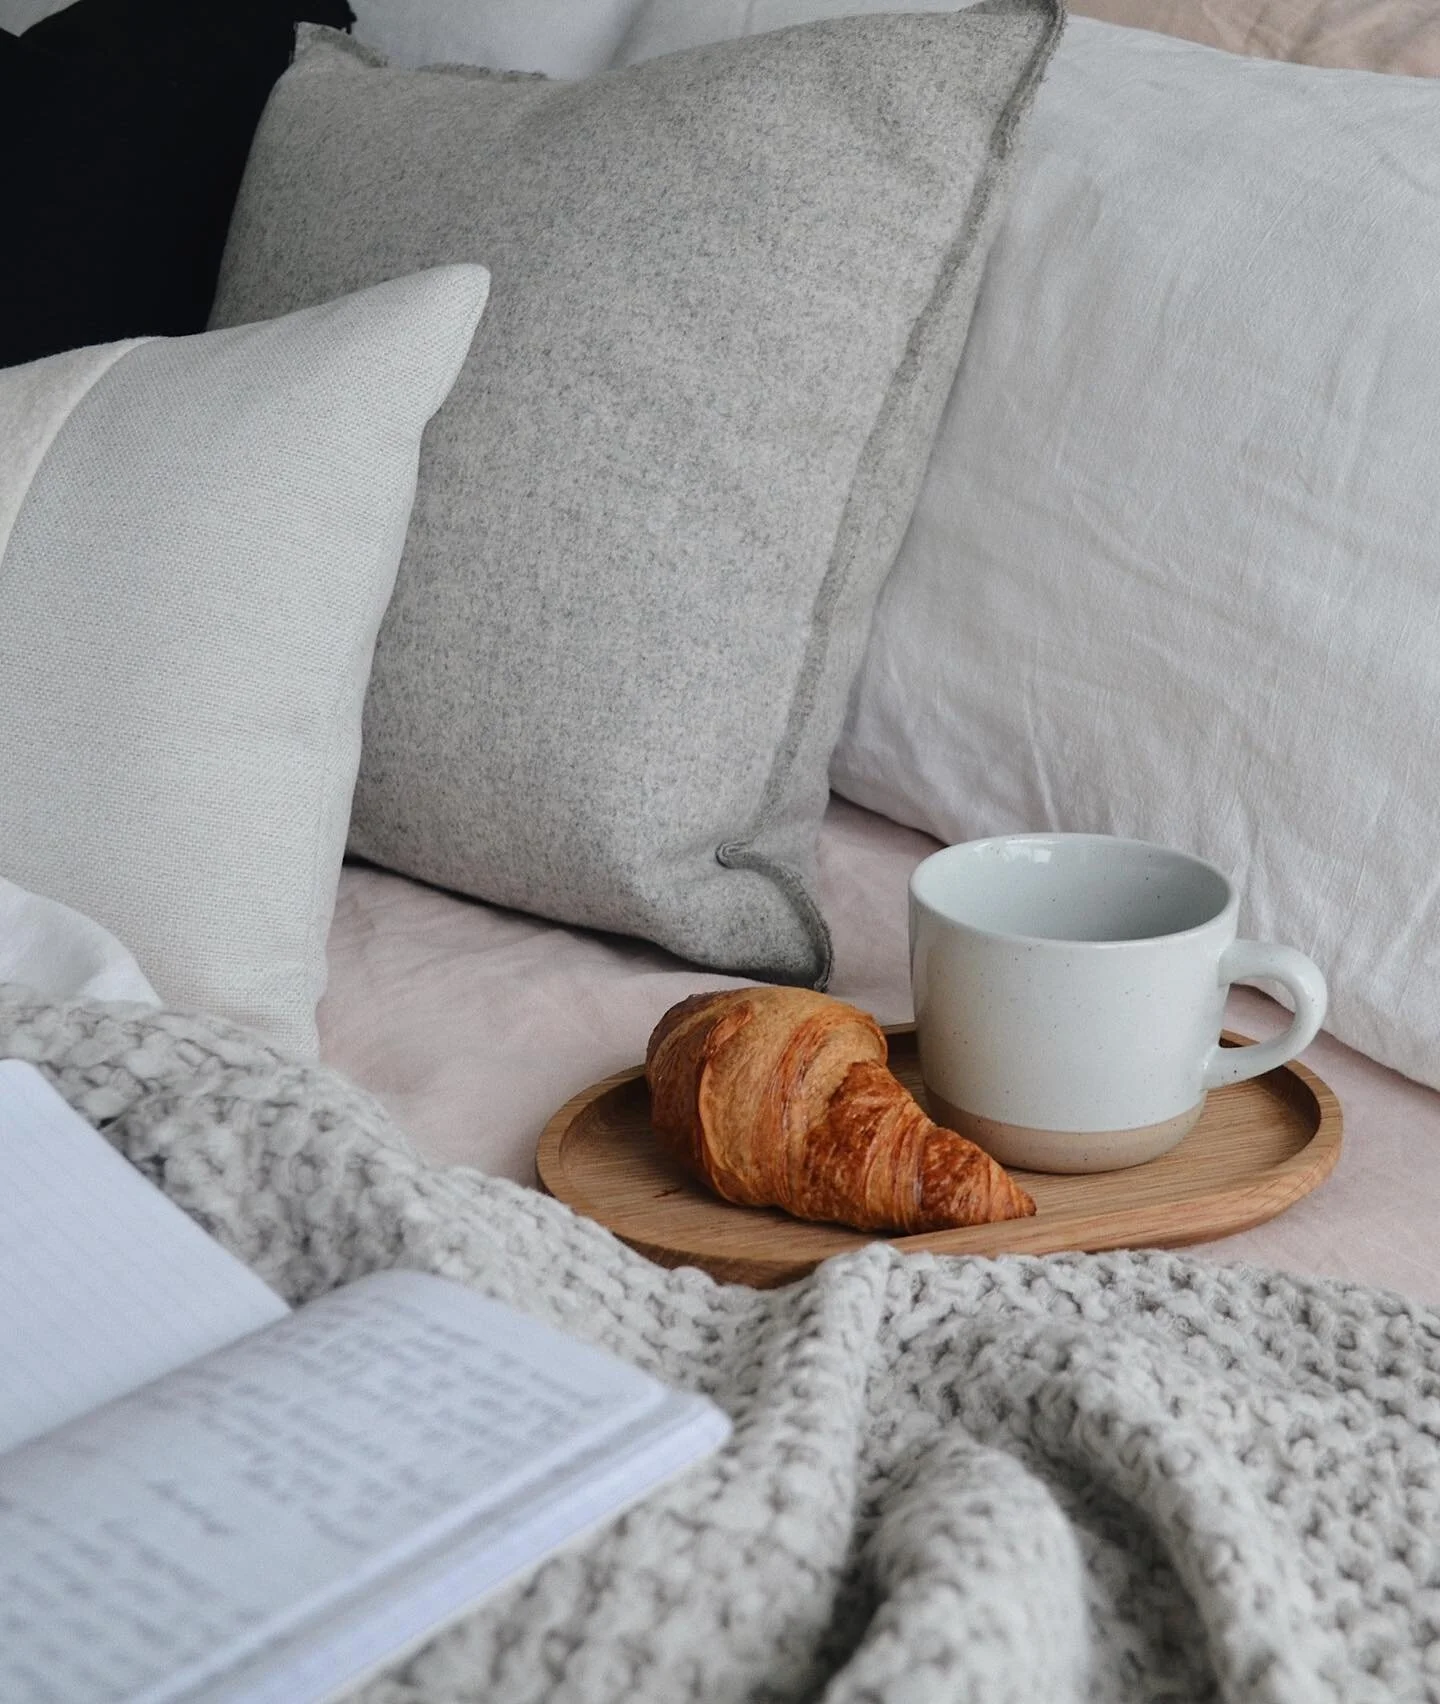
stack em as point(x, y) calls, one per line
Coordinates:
point(1067, 1151)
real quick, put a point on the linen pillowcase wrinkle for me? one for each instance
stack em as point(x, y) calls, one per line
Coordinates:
point(204, 544)
point(732, 289)
point(1172, 572)
point(38, 399)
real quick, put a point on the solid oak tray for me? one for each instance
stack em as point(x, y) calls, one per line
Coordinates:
point(1257, 1148)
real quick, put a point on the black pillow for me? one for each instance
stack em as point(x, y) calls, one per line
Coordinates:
point(124, 128)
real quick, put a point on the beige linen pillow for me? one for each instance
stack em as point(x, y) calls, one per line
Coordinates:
point(1173, 573)
point(1364, 35)
point(198, 537)
point(731, 290)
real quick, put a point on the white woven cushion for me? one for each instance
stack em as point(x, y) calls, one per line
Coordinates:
point(1175, 569)
point(198, 538)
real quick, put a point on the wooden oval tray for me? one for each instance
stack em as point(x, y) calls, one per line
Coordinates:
point(1256, 1149)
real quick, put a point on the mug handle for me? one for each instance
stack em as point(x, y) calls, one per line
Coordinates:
point(1306, 985)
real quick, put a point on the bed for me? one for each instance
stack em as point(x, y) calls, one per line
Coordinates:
point(473, 1022)
point(1195, 404)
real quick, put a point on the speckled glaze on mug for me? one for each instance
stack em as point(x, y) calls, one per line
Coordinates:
point(1069, 993)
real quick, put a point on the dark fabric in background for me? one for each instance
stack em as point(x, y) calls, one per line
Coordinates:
point(124, 128)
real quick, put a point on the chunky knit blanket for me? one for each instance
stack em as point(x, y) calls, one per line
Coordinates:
point(1121, 1477)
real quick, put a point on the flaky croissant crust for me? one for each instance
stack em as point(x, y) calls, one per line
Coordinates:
point(781, 1097)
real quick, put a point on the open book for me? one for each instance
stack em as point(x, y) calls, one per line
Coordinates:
point(205, 1496)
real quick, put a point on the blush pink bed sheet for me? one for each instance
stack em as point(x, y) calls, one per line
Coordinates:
point(473, 1024)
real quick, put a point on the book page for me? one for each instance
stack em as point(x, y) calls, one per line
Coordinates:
point(369, 1631)
point(147, 1548)
point(104, 1283)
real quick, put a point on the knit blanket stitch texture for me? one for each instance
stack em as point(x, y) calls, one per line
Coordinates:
point(1017, 1481)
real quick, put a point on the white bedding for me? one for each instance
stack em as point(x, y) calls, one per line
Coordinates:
point(62, 955)
point(474, 1024)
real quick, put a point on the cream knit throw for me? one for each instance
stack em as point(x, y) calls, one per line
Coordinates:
point(1109, 1477)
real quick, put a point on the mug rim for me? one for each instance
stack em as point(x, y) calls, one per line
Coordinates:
point(1069, 944)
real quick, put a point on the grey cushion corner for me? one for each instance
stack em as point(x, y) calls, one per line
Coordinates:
point(730, 292)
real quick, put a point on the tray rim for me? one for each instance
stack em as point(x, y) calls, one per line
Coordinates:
point(1306, 1169)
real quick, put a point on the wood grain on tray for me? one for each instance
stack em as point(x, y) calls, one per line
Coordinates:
point(1258, 1148)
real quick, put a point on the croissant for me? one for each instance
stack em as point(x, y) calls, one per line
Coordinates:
point(779, 1097)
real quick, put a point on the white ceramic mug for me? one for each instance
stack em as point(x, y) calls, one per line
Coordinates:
point(1069, 994)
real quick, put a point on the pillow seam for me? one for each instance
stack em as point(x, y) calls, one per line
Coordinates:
point(739, 853)
point(122, 348)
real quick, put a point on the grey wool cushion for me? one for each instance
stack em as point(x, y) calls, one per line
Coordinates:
point(730, 292)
